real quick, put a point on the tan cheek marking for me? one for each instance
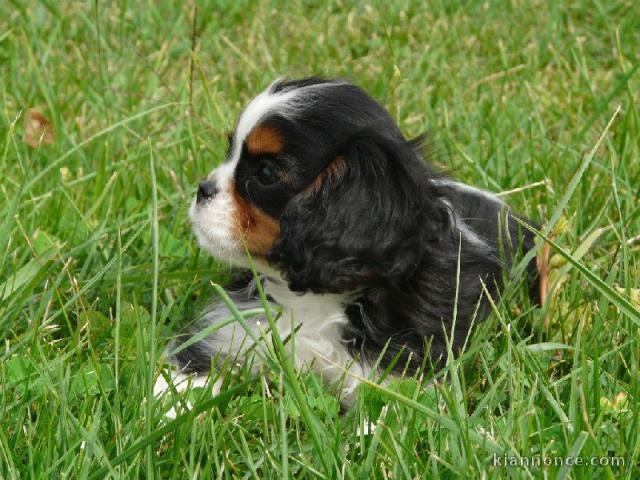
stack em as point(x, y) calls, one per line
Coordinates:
point(258, 229)
point(333, 171)
point(264, 139)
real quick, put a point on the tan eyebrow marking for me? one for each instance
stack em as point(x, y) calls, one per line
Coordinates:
point(265, 139)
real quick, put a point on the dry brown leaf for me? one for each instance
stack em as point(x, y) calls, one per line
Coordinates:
point(38, 130)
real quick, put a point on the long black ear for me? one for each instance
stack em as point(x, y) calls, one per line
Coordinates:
point(366, 218)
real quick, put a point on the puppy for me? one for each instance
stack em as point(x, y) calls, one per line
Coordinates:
point(375, 260)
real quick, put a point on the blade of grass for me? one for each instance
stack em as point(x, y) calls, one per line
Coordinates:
point(573, 453)
point(154, 309)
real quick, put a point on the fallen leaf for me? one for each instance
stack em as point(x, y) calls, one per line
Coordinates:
point(38, 130)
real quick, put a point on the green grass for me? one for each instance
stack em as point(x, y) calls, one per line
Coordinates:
point(98, 267)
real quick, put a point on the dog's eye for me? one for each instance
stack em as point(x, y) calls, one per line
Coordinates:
point(267, 174)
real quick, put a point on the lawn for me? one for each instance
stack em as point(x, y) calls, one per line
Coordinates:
point(112, 111)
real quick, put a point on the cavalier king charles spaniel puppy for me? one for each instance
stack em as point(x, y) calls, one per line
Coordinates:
point(376, 260)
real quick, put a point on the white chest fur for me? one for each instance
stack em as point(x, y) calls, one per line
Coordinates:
point(318, 342)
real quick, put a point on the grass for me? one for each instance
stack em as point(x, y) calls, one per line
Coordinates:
point(98, 267)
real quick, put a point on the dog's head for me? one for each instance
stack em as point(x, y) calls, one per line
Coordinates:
point(320, 186)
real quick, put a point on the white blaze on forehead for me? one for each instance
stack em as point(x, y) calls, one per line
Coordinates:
point(260, 106)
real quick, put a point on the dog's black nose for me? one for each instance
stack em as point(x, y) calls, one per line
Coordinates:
point(206, 190)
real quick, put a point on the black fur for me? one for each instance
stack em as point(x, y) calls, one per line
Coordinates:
point(386, 230)
point(401, 316)
point(373, 222)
